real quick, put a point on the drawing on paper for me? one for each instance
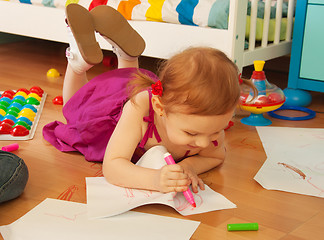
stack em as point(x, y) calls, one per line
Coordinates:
point(182, 204)
point(313, 173)
point(298, 171)
point(99, 192)
point(72, 218)
point(131, 192)
point(295, 160)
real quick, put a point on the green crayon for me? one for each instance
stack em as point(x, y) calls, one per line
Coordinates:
point(243, 227)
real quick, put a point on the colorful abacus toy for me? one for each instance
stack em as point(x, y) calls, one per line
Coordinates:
point(20, 112)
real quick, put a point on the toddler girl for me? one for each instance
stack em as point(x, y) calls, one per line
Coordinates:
point(119, 114)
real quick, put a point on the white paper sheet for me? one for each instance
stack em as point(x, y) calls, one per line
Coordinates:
point(105, 199)
point(56, 219)
point(295, 160)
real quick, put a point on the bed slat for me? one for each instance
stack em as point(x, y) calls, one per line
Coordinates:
point(278, 21)
point(254, 10)
point(290, 17)
point(266, 21)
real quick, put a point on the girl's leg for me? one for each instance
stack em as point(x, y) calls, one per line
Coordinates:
point(83, 52)
point(127, 63)
point(72, 82)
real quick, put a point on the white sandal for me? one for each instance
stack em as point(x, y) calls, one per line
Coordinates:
point(83, 41)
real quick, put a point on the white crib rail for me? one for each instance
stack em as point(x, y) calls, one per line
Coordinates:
point(290, 16)
point(278, 21)
point(267, 50)
point(266, 21)
point(254, 11)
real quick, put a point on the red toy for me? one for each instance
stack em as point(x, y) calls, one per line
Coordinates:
point(110, 61)
point(58, 100)
point(230, 124)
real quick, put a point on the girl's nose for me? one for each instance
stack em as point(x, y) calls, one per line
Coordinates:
point(202, 142)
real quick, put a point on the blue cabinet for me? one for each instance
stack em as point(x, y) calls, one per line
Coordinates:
point(307, 54)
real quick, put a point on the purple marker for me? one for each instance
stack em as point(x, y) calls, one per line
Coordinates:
point(188, 194)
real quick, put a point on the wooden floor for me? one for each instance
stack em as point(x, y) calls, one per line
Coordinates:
point(53, 174)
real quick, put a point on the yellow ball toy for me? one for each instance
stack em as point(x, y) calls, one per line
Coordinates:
point(53, 73)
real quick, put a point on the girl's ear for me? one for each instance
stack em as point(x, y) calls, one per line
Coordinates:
point(157, 105)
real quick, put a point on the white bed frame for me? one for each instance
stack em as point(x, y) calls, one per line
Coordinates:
point(162, 39)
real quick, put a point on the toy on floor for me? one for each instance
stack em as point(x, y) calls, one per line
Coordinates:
point(269, 98)
point(310, 114)
point(110, 61)
point(10, 147)
point(230, 124)
point(19, 112)
point(53, 73)
point(58, 100)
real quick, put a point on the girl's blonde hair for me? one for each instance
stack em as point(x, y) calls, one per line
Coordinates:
point(200, 80)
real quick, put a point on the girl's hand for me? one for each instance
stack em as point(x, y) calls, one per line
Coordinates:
point(171, 178)
point(194, 179)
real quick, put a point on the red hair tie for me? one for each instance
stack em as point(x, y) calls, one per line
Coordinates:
point(157, 88)
point(240, 79)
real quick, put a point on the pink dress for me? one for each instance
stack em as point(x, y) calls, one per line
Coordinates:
point(92, 115)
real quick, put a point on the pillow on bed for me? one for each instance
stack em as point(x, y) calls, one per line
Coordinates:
point(218, 16)
point(188, 12)
point(203, 13)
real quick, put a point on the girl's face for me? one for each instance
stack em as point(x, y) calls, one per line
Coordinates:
point(195, 131)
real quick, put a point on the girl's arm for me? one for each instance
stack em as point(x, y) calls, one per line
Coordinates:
point(117, 166)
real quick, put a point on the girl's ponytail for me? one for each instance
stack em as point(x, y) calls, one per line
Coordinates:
point(140, 81)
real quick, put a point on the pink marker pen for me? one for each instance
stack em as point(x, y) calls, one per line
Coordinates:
point(188, 194)
point(10, 148)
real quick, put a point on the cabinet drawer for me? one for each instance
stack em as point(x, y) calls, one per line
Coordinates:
point(312, 58)
point(316, 2)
